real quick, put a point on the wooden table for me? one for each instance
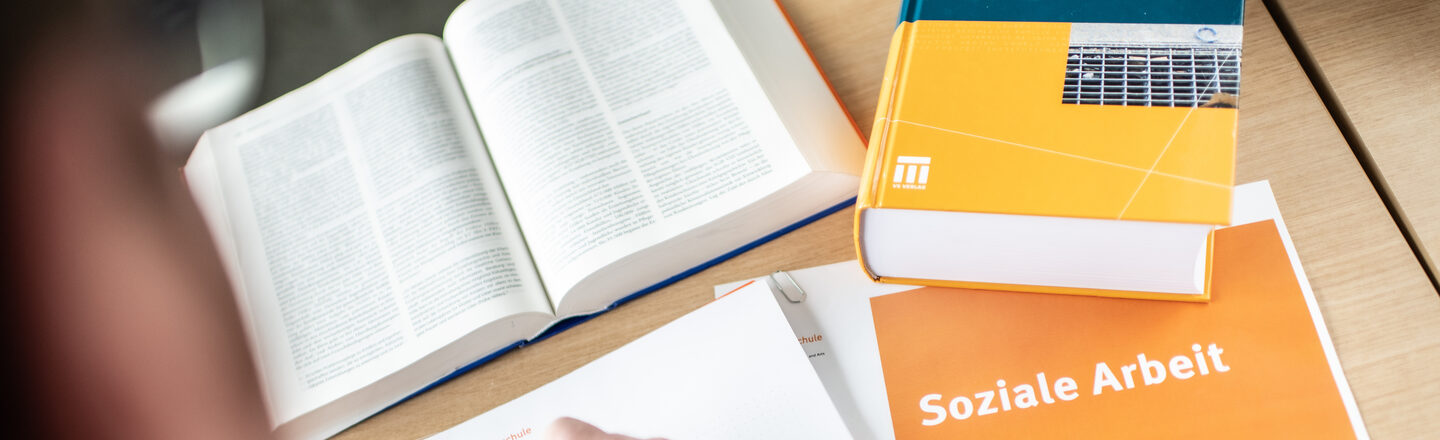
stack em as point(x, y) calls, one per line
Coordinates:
point(1380, 63)
point(1383, 313)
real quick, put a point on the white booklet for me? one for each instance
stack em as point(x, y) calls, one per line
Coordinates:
point(726, 371)
point(835, 324)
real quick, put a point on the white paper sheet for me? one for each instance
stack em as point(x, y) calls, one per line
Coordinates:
point(839, 336)
point(729, 370)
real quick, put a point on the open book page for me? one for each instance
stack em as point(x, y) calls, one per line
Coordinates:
point(370, 228)
point(616, 125)
point(700, 377)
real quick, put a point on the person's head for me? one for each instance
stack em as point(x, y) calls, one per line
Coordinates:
point(118, 319)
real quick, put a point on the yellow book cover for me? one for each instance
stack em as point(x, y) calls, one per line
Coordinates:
point(1038, 122)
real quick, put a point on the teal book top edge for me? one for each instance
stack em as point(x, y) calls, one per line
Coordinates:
point(1214, 12)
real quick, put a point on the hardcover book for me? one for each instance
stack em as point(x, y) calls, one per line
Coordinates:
point(437, 201)
point(1054, 146)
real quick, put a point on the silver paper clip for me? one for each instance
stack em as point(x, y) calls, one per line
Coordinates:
point(783, 291)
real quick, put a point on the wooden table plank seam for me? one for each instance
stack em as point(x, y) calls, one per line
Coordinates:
point(1347, 128)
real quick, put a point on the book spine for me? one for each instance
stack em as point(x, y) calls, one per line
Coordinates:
point(909, 11)
point(868, 196)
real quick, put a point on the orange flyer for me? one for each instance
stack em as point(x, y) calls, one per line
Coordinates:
point(1253, 363)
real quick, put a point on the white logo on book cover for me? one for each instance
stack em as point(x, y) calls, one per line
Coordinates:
point(911, 172)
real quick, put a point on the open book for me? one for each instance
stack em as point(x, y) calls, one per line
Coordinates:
point(434, 201)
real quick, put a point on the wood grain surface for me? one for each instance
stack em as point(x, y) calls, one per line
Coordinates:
point(1383, 314)
point(1382, 62)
